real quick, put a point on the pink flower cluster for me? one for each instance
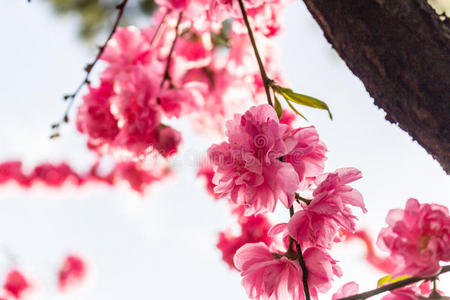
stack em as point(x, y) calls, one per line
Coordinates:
point(270, 274)
point(265, 161)
point(138, 176)
point(417, 238)
point(249, 168)
point(211, 72)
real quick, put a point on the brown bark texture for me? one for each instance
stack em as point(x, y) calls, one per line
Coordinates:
point(400, 49)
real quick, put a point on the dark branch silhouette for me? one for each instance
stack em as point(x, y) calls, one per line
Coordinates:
point(71, 97)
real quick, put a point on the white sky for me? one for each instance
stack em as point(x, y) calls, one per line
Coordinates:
point(163, 246)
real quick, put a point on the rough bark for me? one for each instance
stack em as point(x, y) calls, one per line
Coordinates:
point(400, 49)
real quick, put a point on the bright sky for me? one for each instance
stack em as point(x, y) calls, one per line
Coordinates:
point(162, 246)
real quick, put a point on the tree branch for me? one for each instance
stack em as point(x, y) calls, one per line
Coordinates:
point(265, 79)
point(71, 97)
point(399, 49)
point(394, 286)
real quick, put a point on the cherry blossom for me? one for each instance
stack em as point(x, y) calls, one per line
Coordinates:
point(16, 284)
point(417, 237)
point(72, 271)
point(318, 223)
point(308, 156)
point(253, 229)
point(272, 275)
point(349, 289)
point(247, 169)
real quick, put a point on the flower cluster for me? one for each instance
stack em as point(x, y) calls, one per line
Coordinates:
point(265, 161)
point(417, 238)
point(250, 167)
point(138, 175)
point(196, 62)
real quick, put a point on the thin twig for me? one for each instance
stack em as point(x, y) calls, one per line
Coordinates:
point(301, 262)
point(264, 76)
point(166, 75)
point(394, 286)
point(71, 97)
point(158, 30)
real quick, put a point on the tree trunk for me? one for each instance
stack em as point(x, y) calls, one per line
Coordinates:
point(400, 49)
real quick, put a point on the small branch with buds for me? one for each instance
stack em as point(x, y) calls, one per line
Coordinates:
point(395, 285)
point(71, 97)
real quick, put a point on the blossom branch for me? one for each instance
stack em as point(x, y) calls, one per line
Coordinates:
point(71, 97)
point(301, 262)
point(395, 285)
point(265, 78)
point(166, 75)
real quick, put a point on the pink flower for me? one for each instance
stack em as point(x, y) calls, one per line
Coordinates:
point(313, 229)
point(332, 196)
point(287, 117)
point(16, 284)
point(349, 289)
point(192, 54)
point(418, 238)
point(308, 156)
point(138, 177)
point(174, 102)
point(272, 275)
point(206, 172)
point(167, 141)
point(12, 170)
point(247, 167)
point(54, 175)
point(253, 229)
point(94, 117)
point(317, 223)
point(128, 47)
point(72, 272)
point(173, 4)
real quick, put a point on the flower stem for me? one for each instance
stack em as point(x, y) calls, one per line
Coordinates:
point(166, 75)
point(265, 79)
point(71, 97)
point(301, 262)
point(394, 286)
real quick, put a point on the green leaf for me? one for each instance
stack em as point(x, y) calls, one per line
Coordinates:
point(301, 99)
point(388, 279)
point(278, 108)
point(295, 110)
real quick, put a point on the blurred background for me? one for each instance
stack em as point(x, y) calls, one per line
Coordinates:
point(162, 245)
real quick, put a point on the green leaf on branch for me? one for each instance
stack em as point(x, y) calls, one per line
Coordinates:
point(301, 99)
point(388, 279)
point(295, 110)
point(278, 108)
